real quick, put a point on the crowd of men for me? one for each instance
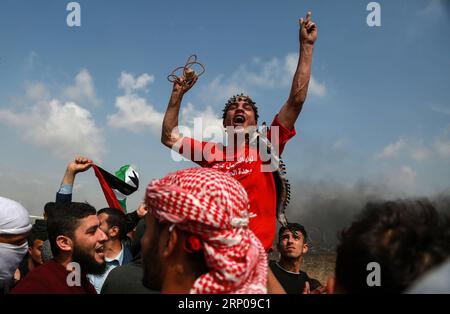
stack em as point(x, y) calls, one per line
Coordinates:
point(210, 229)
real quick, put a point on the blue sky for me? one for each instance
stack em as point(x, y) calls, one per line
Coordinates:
point(378, 110)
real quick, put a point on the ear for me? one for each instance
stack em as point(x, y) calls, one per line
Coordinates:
point(171, 242)
point(30, 249)
point(113, 232)
point(64, 243)
point(305, 248)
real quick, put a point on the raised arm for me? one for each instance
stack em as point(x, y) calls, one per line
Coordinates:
point(169, 134)
point(291, 109)
point(79, 164)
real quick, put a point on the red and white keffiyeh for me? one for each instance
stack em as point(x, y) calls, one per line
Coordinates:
point(213, 206)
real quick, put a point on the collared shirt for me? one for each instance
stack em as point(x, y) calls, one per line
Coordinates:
point(111, 263)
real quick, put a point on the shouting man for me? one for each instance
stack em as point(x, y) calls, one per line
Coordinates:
point(240, 115)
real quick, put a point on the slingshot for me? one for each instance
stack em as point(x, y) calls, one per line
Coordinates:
point(188, 72)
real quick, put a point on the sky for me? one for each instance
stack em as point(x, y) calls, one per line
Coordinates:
point(376, 120)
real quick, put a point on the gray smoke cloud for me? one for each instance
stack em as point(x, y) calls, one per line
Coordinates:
point(326, 207)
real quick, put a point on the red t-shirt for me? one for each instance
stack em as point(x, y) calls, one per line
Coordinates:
point(245, 167)
point(51, 278)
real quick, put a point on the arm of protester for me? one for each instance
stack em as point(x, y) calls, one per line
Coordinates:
point(291, 109)
point(134, 217)
point(273, 285)
point(169, 133)
point(79, 164)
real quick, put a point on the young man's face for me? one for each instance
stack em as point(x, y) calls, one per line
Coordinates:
point(151, 254)
point(240, 115)
point(88, 245)
point(104, 226)
point(291, 245)
point(35, 252)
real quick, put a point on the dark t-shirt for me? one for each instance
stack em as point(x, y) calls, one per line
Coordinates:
point(292, 283)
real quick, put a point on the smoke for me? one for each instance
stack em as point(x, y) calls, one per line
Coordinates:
point(327, 207)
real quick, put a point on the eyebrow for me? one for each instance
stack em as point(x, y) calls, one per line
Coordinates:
point(92, 229)
point(295, 235)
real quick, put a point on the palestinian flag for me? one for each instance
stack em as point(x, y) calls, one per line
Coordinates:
point(117, 187)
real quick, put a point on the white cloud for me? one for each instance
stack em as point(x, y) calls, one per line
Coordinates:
point(203, 124)
point(417, 149)
point(66, 129)
point(219, 90)
point(129, 83)
point(270, 74)
point(135, 114)
point(290, 63)
point(83, 91)
point(36, 91)
point(403, 179)
point(62, 127)
point(316, 88)
point(392, 149)
point(420, 153)
point(406, 148)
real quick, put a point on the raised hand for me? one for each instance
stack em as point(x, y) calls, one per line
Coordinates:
point(79, 164)
point(142, 210)
point(308, 30)
point(181, 86)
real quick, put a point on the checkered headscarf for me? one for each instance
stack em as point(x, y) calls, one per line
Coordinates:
point(214, 207)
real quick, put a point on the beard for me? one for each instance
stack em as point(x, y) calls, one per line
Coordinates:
point(87, 262)
point(152, 266)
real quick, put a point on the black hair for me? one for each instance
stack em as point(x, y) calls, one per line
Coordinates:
point(116, 218)
point(406, 238)
point(234, 99)
point(36, 235)
point(65, 219)
point(293, 227)
point(48, 208)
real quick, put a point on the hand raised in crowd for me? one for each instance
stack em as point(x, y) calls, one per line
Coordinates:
point(80, 164)
point(181, 86)
point(308, 30)
point(142, 210)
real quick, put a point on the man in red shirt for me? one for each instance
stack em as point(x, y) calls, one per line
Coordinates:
point(243, 161)
point(77, 245)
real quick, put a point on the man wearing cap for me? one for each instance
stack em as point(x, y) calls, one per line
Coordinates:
point(240, 116)
point(14, 228)
point(197, 238)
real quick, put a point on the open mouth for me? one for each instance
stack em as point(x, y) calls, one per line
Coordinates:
point(238, 119)
point(100, 251)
